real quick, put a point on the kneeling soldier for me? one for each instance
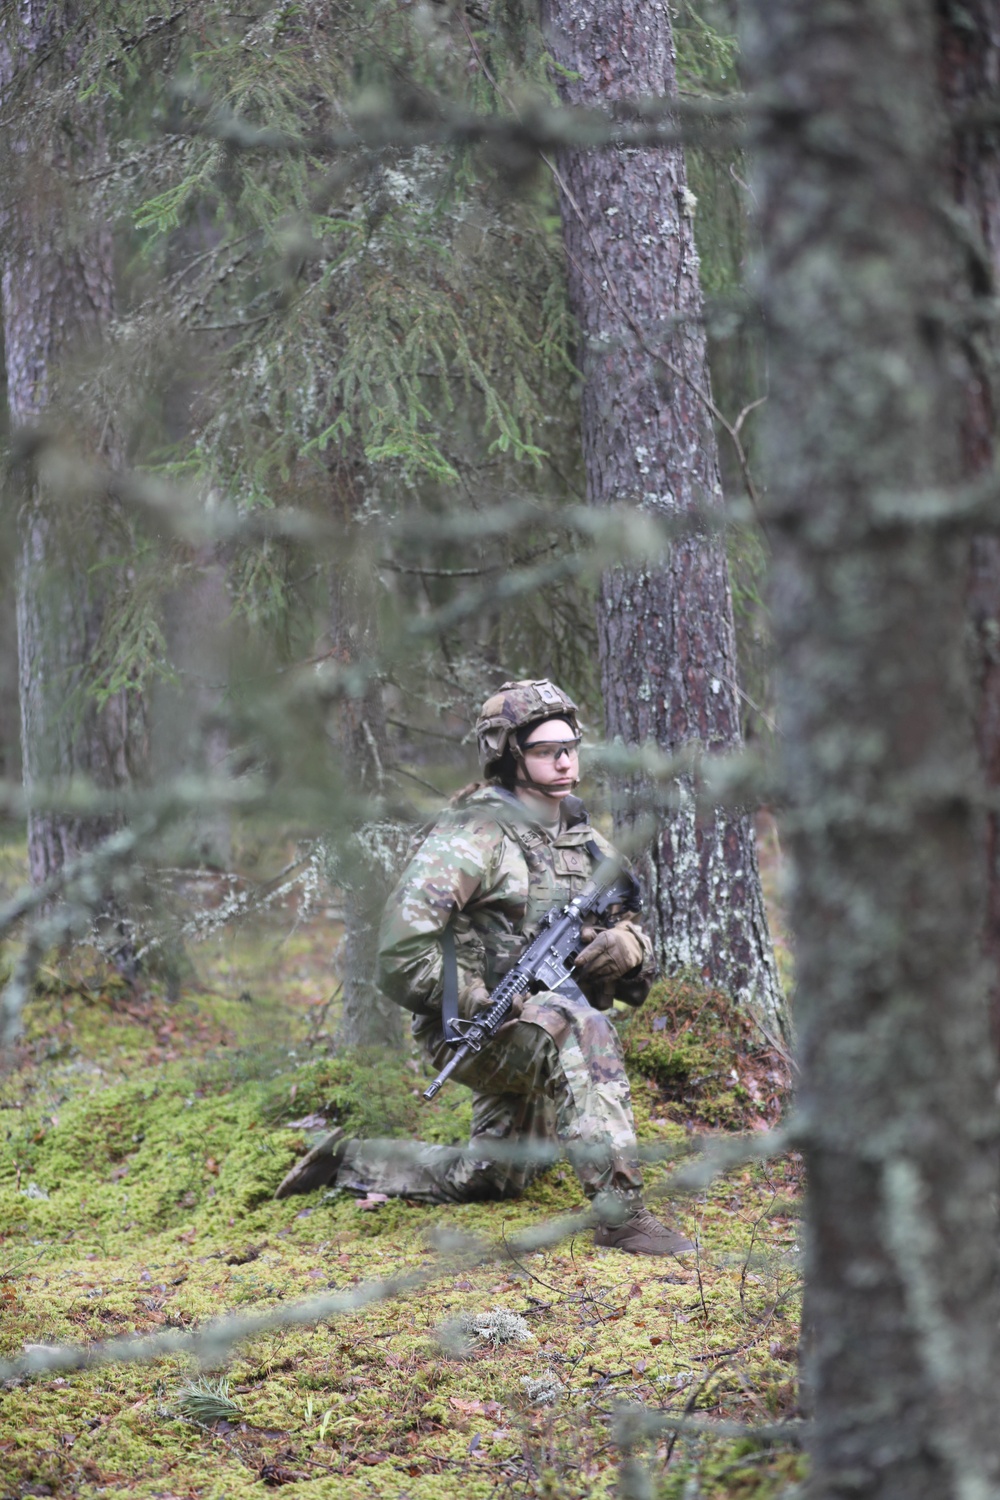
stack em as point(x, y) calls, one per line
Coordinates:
point(554, 1079)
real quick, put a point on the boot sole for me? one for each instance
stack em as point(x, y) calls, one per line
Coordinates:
point(316, 1169)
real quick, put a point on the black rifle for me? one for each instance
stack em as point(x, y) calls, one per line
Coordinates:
point(543, 964)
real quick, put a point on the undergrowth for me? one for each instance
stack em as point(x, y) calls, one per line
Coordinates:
point(143, 1141)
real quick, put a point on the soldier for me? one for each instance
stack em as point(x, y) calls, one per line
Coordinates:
point(554, 1080)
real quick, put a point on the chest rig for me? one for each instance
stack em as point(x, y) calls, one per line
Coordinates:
point(558, 869)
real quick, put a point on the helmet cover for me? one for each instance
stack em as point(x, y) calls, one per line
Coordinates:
point(516, 705)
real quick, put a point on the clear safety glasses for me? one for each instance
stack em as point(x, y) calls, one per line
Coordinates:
point(552, 749)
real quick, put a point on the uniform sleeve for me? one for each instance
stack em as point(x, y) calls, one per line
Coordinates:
point(450, 867)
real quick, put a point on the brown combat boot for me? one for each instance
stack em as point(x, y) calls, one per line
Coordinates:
point(641, 1234)
point(317, 1168)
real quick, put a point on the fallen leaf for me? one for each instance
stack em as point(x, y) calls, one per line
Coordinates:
point(373, 1200)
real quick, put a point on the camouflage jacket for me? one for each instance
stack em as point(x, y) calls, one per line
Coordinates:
point(492, 872)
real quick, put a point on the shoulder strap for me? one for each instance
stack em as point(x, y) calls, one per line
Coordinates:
point(449, 997)
point(574, 812)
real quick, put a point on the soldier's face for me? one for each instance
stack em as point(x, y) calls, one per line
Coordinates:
point(554, 770)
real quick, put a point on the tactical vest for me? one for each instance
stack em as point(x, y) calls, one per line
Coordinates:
point(558, 868)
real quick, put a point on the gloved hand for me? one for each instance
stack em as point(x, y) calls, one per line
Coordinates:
point(610, 954)
point(476, 997)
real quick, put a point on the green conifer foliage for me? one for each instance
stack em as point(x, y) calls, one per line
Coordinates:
point(372, 334)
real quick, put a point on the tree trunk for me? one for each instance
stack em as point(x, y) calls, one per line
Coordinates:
point(969, 70)
point(898, 1076)
point(188, 713)
point(368, 1018)
point(10, 713)
point(58, 297)
point(668, 652)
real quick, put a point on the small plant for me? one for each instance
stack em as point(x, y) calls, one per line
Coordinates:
point(208, 1401)
point(325, 1419)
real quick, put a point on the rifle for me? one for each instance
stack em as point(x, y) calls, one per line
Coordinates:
point(543, 964)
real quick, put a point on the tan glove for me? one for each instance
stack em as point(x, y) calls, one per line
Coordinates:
point(608, 955)
point(476, 997)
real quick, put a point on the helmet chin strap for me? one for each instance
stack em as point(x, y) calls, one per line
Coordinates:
point(527, 779)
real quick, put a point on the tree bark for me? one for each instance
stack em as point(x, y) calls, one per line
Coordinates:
point(58, 297)
point(969, 70)
point(668, 652)
point(368, 1018)
point(869, 608)
point(189, 732)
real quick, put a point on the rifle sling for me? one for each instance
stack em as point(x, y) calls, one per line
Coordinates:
point(449, 997)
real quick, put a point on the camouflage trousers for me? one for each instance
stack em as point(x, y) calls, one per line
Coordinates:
point(553, 1084)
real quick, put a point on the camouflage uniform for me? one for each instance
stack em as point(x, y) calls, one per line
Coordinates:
point(556, 1075)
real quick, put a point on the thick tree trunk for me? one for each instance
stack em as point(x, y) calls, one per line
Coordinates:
point(969, 69)
point(58, 296)
point(668, 652)
point(898, 1075)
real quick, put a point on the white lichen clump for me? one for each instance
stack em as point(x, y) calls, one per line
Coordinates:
point(542, 1390)
point(496, 1327)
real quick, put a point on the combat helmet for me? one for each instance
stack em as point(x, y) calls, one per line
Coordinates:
point(515, 706)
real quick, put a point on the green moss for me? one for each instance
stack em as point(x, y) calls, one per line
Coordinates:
point(704, 1057)
point(743, 1470)
point(159, 1172)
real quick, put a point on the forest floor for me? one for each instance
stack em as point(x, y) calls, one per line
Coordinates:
point(143, 1138)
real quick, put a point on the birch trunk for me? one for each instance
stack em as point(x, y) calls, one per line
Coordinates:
point(668, 651)
point(898, 1074)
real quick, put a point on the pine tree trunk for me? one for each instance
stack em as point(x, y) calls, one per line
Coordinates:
point(969, 69)
point(668, 651)
point(58, 296)
point(869, 609)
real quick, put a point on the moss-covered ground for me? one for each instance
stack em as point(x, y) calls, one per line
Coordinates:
point(142, 1139)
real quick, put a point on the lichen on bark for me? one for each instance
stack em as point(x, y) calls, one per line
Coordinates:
point(898, 1075)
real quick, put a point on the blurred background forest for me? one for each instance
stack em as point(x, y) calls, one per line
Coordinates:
point(334, 336)
point(300, 424)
